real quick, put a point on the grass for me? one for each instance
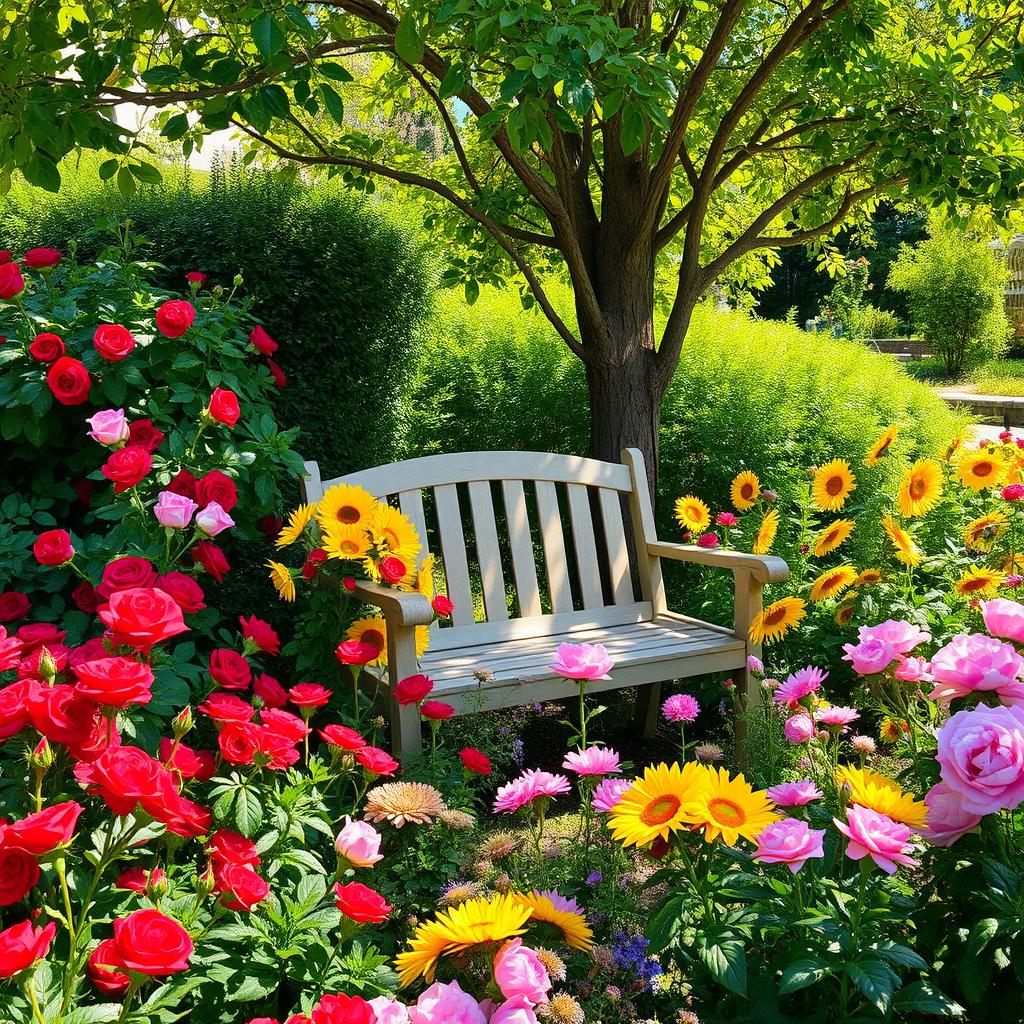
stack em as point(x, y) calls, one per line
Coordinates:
point(996, 377)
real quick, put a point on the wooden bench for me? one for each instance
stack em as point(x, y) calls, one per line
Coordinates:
point(573, 512)
point(1008, 408)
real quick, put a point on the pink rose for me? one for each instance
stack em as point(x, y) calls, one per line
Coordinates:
point(514, 1011)
point(446, 1004)
point(582, 661)
point(109, 427)
point(902, 636)
point(914, 670)
point(359, 843)
point(870, 656)
point(174, 510)
point(213, 520)
point(1004, 619)
point(877, 836)
point(981, 758)
point(977, 662)
point(946, 820)
point(799, 728)
point(389, 1011)
point(790, 842)
point(518, 971)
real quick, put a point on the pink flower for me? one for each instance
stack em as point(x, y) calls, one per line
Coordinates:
point(446, 1004)
point(870, 656)
point(877, 836)
point(946, 820)
point(902, 636)
point(359, 843)
point(755, 665)
point(213, 520)
point(592, 761)
point(1004, 618)
point(174, 510)
point(790, 842)
point(518, 971)
point(799, 728)
point(835, 715)
point(517, 1010)
point(725, 519)
point(913, 670)
point(609, 793)
point(799, 685)
point(109, 427)
point(680, 707)
point(530, 786)
point(794, 794)
point(1013, 492)
point(977, 662)
point(582, 661)
point(981, 758)
point(389, 1011)
point(707, 540)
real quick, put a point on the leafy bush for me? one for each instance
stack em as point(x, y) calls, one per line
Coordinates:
point(954, 285)
point(873, 322)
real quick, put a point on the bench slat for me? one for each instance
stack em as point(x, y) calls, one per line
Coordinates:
point(524, 567)
point(453, 553)
point(615, 540)
point(585, 545)
point(487, 551)
point(554, 547)
point(411, 504)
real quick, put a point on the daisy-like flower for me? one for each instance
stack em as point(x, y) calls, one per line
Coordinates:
point(297, 523)
point(831, 537)
point(550, 907)
point(981, 469)
point(835, 715)
point(880, 793)
point(346, 543)
point(921, 489)
point(680, 707)
point(776, 620)
point(403, 803)
point(608, 794)
point(880, 449)
point(394, 534)
point(561, 1008)
point(794, 794)
point(730, 808)
point(799, 685)
point(460, 821)
point(844, 614)
point(662, 801)
point(979, 582)
point(833, 484)
point(692, 514)
point(708, 753)
point(593, 761)
point(347, 505)
point(281, 577)
point(868, 578)
point(499, 845)
point(745, 490)
point(456, 893)
point(553, 963)
point(765, 536)
point(862, 744)
point(531, 785)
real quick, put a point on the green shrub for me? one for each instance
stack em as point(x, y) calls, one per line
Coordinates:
point(873, 322)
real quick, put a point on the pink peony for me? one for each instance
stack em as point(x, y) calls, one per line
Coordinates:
point(109, 427)
point(446, 1004)
point(359, 843)
point(799, 728)
point(707, 540)
point(870, 656)
point(389, 1011)
point(902, 636)
point(877, 836)
point(725, 519)
point(593, 761)
point(518, 971)
point(680, 707)
point(609, 793)
point(1004, 618)
point(946, 820)
point(913, 670)
point(790, 842)
point(835, 715)
point(517, 1010)
point(529, 786)
point(977, 662)
point(755, 665)
point(794, 794)
point(174, 510)
point(1013, 492)
point(582, 661)
point(799, 685)
point(981, 758)
point(213, 520)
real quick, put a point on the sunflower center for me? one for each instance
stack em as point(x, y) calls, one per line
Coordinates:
point(747, 491)
point(725, 812)
point(884, 446)
point(982, 469)
point(834, 485)
point(348, 514)
point(391, 540)
point(349, 547)
point(969, 586)
point(917, 488)
point(775, 616)
point(660, 810)
point(373, 638)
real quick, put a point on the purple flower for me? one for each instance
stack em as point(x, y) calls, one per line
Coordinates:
point(680, 707)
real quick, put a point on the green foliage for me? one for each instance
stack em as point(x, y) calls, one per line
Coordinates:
point(954, 286)
point(873, 322)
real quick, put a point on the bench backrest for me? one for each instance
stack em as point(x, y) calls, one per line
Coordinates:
point(482, 512)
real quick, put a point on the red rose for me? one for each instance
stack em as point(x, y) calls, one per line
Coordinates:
point(229, 669)
point(10, 650)
point(151, 943)
point(37, 634)
point(224, 407)
point(474, 760)
point(115, 682)
point(19, 872)
point(442, 606)
point(261, 341)
point(196, 277)
point(145, 435)
point(377, 761)
point(85, 597)
point(127, 466)
point(139, 879)
point(11, 281)
point(270, 691)
point(310, 570)
point(343, 737)
point(14, 704)
point(182, 483)
point(270, 526)
point(188, 763)
point(89, 651)
point(392, 570)
point(413, 689)
point(5, 255)
point(69, 381)
point(227, 847)
point(436, 710)
point(277, 749)
point(343, 1010)
point(47, 348)
point(280, 380)
point(22, 945)
point(309, 695)
point(53, 548)
point(13, 605)
point(42, 832)
point(187, 594)
point(348, 583)
point(101, 970)
point(211, 558)
point(142, 617)
point(215, 486)
point(62, 715)
point(261, 633)
point(241, 887)
point(113, 342)
point(284, 724)
point(31, 664)
point(174, 318)
point(226, 707)
point(186, 817)
point(41, 258)
point(125, 573)
point(361, 904)
point(355, 652)
point(237, 742)
point(125, 777)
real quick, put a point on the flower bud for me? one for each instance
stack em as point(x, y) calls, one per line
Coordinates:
point(47, 666)
point(845, 792)
point(41, 757)
point(182, 723)
point(237, 282)
point(205, 882)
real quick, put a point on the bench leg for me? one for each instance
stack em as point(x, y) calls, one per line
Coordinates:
point(648, 700)
point(406, 739)
point(749, 603)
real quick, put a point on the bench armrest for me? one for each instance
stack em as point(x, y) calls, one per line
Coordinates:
point(399, 607)
point(765, 568)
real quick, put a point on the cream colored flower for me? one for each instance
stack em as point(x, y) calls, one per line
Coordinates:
point(403, 802)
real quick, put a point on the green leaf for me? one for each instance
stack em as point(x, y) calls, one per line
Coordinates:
point(267, 36)
point(802, 973)
point(42, 172)
point(107, 169)
point(472, 290)
point(981, 935)
point(408, 41)
point(333, 102)
point(126, 183)
point(726, 960)
point(176, 127)
point(98, 1014)
point(275, 99)
point(897, 954)
point(875, 980)
point(248, 812)
point(146, 173)
point(923, 997)
point(631, 137)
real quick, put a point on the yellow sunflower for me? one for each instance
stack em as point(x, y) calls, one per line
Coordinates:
point(833, 484)
point(776, 620)
point(867, 578)
point(394, 534)
point(832, 582)
point(979, 582)
point(844, 614)
point(766, 532)
point(890, 730)
point(692, 514)
point(425, 577)
point(475, 922)
point(731, 807)
point(921, 489)
point(660, 802)
point(880, 449)
point(548, 907)
point(906, 550)
point(281, 577)
point(983, 532)
point(347, 543)
point(372, 629)
point(880, 793)
point(345, 504)
point(297, 523)
point(832, 536)
point(745, 490)
point(981, 469)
